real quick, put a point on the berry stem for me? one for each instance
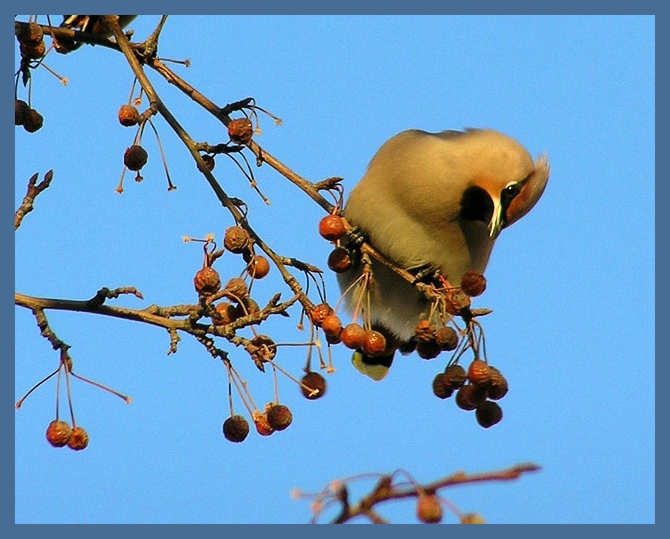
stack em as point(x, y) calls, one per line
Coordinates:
point(38, 384)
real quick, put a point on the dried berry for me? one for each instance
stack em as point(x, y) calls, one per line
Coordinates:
point(279, 417)
point(424, 331)
point(456, 300)
point(454, 376)
point(21, 110)
point(58, 433)
point(470, 396)
point(427, 349)
point(33, 51)
point(207, 281)
point(331, 227)
point(428, 509)
point(262, 425)
point(226, 315)
point(318, 314)
point(313, 385)
point(258, 267)
point(33, 121)
point(246, 307)
point(262, 349)
point(353, 336)
point(236, 239)
point(78, 440)
point(488, 414)
point(240, 130)
point(472, 518)
point(374, 344)
point(333, 339)
point(30, 33)
point(473, 283)
point(237, 288)
point(331, 325)
point(135, 157)
point(235, 428)
point(478, 372)
point(339, 260)
point(209, 161)
point(446, 338)
point(498, 385)
point(440, 389)
point(128, 116)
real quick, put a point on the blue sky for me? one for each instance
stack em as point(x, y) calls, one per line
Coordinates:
point(571, 285)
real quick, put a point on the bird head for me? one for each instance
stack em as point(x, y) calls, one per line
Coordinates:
point(503, 181)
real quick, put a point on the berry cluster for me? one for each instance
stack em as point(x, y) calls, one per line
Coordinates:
point(478, 388)
point(59, 433)
point(475, 390)
point(231, 308)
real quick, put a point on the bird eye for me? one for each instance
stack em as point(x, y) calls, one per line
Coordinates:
point(512, 190)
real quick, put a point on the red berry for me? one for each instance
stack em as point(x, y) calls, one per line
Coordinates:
point(428, 509)
point(331, 227)
point(339, 260)
point(319, 313)
point(313, 385)
point(374, 344)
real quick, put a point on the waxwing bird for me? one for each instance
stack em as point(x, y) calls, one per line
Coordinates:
point(92, 24)
point(436, 201)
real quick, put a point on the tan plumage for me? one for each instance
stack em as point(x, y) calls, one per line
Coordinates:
point(437, 200)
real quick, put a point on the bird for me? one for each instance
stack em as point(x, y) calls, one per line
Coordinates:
point(437, 202)
point(93, 24)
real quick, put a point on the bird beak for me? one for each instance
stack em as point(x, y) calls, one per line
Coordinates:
point(497, 221)
point(530, 193)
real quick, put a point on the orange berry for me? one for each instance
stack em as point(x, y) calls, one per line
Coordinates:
point(237, 288)
point(262, 425)
point(331, 325)
point(353, 336)
point(78, 440)
point(318, 314)
point(478, 372)
point(58, 433)
point(258, 267)
point(498, 386)
point(240, 130)
point(428, 509)
point(128, 115)
point(331, 227)
point(207, 281)
point(424, 331)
